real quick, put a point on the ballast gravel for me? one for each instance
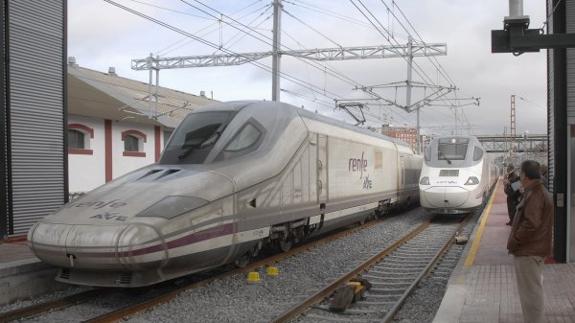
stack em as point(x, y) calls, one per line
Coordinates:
point(41, 298)
point(233, 299)
point(422, 305)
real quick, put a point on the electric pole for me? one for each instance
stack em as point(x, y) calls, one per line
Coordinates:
point(410, 50)
point(276, 51)
point(408, 89)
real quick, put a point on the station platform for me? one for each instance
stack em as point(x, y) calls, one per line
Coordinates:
point(22, 275)
point(483, 288)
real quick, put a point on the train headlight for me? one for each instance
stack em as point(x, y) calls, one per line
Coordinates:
point(472, 181)
point(424, 180)
point(172, 206)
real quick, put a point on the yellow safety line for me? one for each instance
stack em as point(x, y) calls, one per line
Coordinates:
point(477, 241)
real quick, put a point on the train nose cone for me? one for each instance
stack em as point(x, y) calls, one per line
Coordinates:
point(444, 197)
point(455, 196)
point(92, 247)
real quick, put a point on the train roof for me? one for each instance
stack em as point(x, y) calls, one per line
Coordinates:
point(238, 105)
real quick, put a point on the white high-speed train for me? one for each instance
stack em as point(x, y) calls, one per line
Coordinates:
point(233, 178)
point(457, 175)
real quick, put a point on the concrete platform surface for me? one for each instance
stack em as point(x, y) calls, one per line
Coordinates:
point(14, 251)
point(483, 288)
point(22, 275)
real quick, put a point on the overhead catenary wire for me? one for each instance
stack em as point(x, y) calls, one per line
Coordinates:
point(432, 59)
point(366, 12)
point(327, 12)
point(261, 37)
point(239, 35)
point(269, 41)
point(435, 62)
point(312, 28)
point(170, 9)
point(186, 40)
point(386, 34)
point(227, 51)
point(249, 30)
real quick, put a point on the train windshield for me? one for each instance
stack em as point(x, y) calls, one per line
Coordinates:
point(452, 148)
point(195, 138)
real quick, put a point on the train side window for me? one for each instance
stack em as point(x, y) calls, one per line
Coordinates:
point(247, 139)
point(477, 154)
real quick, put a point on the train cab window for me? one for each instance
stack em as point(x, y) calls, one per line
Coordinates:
point(477, 153)
point(194, 139)
point(452, 148)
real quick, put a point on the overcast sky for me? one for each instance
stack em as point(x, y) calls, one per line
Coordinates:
point(101, 35)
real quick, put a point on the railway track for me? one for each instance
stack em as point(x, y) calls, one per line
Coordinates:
point(167, 293)
point(393, 274)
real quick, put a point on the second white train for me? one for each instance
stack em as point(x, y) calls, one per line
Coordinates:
point(457, 175)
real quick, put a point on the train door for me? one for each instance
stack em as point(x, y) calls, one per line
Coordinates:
point(322, 179)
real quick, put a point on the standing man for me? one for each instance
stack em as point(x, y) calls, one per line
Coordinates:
point(530, 240)
point(513, 195)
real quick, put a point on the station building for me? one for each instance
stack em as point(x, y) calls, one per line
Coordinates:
point(117, 125)
point(405, 134)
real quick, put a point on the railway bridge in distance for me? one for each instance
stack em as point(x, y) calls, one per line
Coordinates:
point(534, 143)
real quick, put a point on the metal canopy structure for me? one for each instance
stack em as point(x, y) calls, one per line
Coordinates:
point(503, 144)
point(406, 51)
point(318, 54)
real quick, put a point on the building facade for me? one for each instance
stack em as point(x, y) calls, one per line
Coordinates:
point(100, 150)
point(405, 134)
point(115, 125)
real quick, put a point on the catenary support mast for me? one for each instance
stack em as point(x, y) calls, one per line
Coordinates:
point(276, 51)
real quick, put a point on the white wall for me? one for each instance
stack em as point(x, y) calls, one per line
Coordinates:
point(86, 172)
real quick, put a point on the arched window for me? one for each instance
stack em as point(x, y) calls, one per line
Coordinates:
point(76, 139)
point(134, 143)
point(79, 137)
point(131, 143)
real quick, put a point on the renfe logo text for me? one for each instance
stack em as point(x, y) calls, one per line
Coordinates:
point(358, 165)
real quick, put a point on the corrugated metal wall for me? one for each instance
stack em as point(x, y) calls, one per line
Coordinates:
point(550, 100)
point(36, 72)
point(5, 208)
point(570, 26)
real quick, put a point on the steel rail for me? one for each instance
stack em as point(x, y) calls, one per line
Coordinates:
point(295, 311)
point(397, 306)
point(321, 295)
point(83, 297)
point(130, 310)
